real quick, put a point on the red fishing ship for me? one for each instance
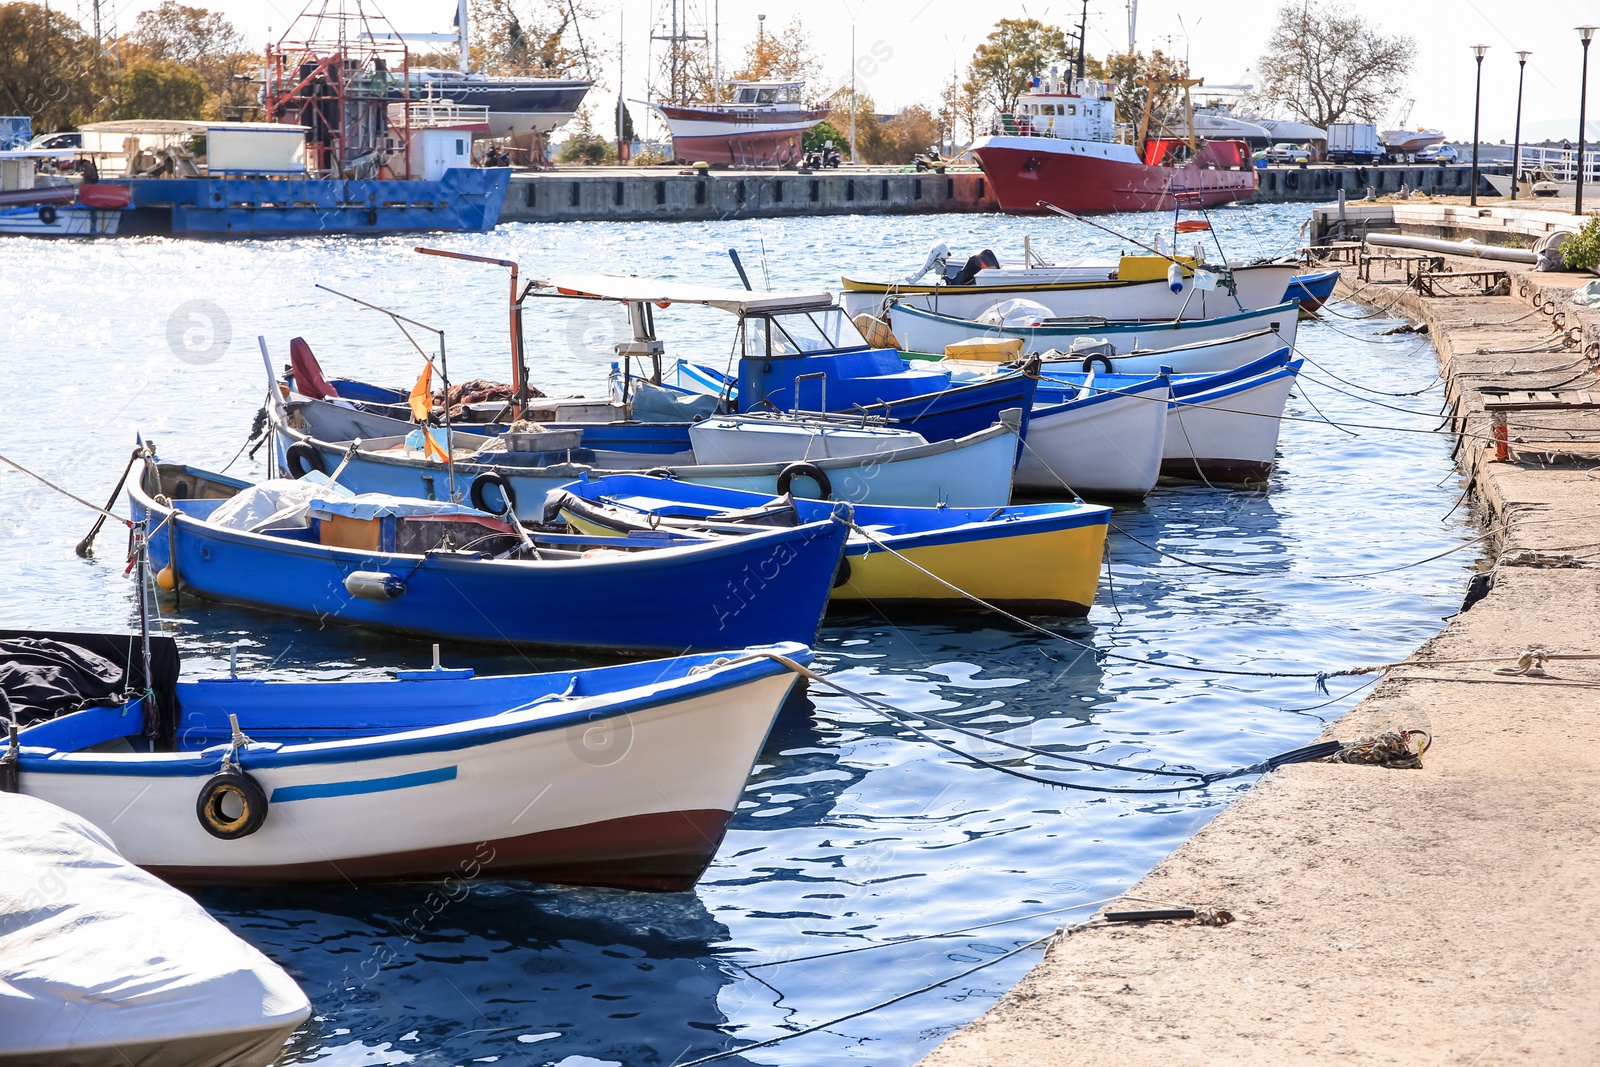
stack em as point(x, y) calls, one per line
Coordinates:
point(1060, 146)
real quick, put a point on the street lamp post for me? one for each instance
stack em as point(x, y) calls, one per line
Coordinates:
point(1477, 94)
point(1516, 138)
point(1584, 33)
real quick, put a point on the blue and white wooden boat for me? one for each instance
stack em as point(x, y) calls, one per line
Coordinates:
point(622, 776)
point(800, 351)
point(1037, 558)
point(919, 330)
point(972, 471)
point(444, 570)
point(1221, 428)
point(1312, 290)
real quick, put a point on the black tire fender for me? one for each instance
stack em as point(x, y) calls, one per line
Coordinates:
point(302, 459)
point(494, 478)
point(47, 214)
point(252, 799)
point(1103, 362)
point(842, 575)
point(787, 476)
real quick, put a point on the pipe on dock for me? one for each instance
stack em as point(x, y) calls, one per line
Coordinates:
point(1454, 248)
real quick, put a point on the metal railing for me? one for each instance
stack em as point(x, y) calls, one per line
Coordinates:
point(1561, 164)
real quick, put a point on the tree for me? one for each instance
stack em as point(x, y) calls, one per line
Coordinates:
point(819, 135)
point(203, 41)
point(1325, 63)
point(961, 107)
point(868, 130)
point(585, 145)
point(1016, 52)
point(161, 89)
point(1125, 70)
point(49, 68)
point(912, 132)
point(548, 43)
point(783, 56)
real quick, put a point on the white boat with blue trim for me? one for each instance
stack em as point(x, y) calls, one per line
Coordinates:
point(622, 776)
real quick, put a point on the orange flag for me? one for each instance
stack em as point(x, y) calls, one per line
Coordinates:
point(431, 447)
point(422, 394)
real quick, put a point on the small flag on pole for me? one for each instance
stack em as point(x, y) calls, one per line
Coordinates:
point(422, 394)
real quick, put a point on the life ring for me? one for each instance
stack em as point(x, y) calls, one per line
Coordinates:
point(1103, 361)
point(787, 476)
point(842, 575)
point(251, 798)
point(47, 214)
point(372, 216)
point(494, 478)
point(303, 459)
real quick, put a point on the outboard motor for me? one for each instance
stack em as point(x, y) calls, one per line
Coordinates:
point(984, 260)
point(938, 256)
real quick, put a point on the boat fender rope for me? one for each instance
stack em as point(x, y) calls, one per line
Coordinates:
point(787, 476)
point(301, 459)
point(508, 495)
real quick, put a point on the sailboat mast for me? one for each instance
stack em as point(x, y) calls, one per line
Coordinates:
point(465, 60)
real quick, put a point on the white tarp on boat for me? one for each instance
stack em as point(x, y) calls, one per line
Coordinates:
point(1015, 312)
point(101, 963)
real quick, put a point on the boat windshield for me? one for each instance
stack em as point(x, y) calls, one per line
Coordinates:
point(800, 332)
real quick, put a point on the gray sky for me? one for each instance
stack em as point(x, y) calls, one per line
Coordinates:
point(905, 49)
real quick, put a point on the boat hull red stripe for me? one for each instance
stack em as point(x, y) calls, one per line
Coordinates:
point(1092, 185)
point(661, 851)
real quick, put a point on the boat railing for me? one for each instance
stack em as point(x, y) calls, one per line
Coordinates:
point(1560, 163)
point(439, 113)
point(1012, 125)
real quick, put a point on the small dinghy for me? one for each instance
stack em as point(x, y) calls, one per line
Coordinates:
point(622, 776)
point(1035, 558)
point(103, 965)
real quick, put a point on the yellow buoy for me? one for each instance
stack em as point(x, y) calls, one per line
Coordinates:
point(166, 579)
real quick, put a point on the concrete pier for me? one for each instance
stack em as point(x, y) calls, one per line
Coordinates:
point(667, 194)
point(625, 194)
point(1438, 915)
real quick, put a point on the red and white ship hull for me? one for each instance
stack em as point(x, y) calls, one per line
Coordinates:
point(1090, 177)
point(738, 137)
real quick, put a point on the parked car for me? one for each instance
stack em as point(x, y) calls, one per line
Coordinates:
point(1438, 153)
point(1286, 152)
point(57, 140)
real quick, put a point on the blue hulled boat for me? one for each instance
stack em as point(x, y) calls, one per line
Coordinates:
point(439, 569)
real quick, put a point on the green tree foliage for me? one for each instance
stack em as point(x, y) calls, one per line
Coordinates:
point(49, 68)
point(585, 146)
point(206, 43)
point(1325, 63)
point(819, 135)
point(161, 89)
point(1126, 70)
point(1581, 251)
point(1016, 52)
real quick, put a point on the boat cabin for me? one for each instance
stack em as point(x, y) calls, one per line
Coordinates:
point(768, 96)
point(1053, 108)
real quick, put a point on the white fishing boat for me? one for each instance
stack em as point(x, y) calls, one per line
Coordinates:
point(622, 776)
point(1105, 443)
point(1221, 428)
point(919, 330)
point(1134, 287)
point(761, 125)
point(104, 965)
point(780, 439)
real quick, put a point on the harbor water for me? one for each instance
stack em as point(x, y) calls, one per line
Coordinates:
point(853, 833)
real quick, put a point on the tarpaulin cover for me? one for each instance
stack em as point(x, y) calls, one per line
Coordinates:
point(101, 963)
point(47, 673)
